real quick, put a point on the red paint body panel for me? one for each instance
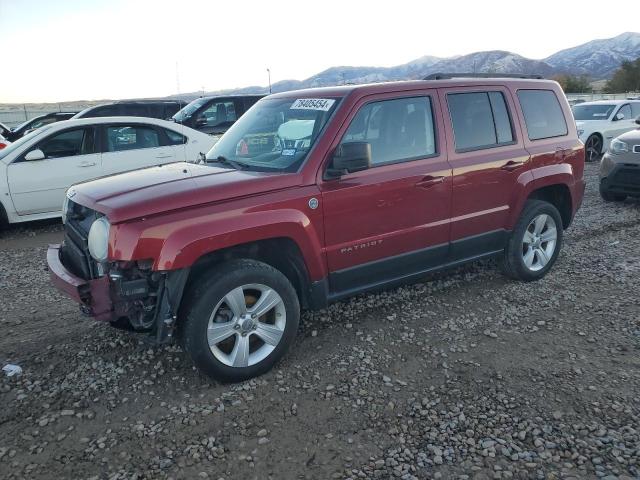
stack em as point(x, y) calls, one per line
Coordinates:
point(382, 211)
point(176, 241)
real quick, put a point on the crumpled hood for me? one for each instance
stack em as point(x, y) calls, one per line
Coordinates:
point(174, 186)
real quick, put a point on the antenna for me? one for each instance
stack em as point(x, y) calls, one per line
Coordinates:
point(269, 73)
point(177, 79)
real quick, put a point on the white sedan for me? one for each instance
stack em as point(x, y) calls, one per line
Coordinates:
point(600, 122)
point(37, 169)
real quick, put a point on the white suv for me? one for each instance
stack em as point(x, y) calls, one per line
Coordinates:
point(600, 122)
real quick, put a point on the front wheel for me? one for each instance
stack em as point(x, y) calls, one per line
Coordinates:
point(240, 321)
point(535, 242)
point(593, 148)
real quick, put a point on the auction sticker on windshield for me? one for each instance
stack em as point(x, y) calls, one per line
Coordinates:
point(322, 104)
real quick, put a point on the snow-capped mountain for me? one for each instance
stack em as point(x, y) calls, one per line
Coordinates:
point(496, 61)
point(598, 58)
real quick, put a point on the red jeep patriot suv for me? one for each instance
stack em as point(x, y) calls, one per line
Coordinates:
point(316, 195)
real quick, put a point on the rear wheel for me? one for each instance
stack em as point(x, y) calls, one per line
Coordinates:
point(593, 148)
point(535, 242)
point(240, 321)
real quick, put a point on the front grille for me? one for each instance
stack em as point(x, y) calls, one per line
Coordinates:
point(627, 175)
point(75, 251)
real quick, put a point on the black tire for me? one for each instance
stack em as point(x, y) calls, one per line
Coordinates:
point(611, 197)
point(593, 148)
point(513, 262)
point(4, 221)
point(207, 293)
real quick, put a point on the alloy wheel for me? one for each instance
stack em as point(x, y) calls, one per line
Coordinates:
point(246, 325)
point(593, 148)
point(539, 242)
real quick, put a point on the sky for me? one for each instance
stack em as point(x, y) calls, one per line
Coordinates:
point(63, 50)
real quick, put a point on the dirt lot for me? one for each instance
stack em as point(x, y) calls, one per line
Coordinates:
point(467, 375)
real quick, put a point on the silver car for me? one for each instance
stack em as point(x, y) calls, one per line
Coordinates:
point(620, 167)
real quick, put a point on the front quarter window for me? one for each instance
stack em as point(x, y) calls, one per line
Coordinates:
point(275, 134)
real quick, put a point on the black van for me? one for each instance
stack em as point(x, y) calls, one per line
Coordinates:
point(162, 109)
point(214, 115)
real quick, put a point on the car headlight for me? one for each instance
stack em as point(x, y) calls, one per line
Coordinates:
point(98, 241)
point(618, 146)
point(65, 209)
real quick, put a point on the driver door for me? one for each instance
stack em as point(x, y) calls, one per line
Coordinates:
point(217, 117)
point(39, 186)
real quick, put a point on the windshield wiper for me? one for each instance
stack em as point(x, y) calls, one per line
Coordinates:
point(226, 161)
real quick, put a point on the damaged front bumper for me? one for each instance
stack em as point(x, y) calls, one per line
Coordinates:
point(144, 304)
point(92, 295)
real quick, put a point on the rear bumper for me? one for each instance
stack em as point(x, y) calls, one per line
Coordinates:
point(623, 179)
point(93, 296)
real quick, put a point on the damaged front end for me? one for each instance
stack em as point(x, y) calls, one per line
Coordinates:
point(127, 294)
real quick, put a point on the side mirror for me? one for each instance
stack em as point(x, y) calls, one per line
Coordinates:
point(34, 155)
point(619, 116)
point(350, 157)
point(201, 121)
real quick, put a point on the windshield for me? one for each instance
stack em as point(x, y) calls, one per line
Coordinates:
point(275, 134)
point(189, 109)
point(21, 141)
point(592, 112)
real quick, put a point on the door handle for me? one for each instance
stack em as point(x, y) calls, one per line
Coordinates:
point(86, 164)
point(164, 155)
point(429, 181)
point(511, 165)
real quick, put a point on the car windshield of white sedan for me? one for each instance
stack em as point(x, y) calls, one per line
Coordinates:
point(592, 112)
point(12, 147)
point(275, 134)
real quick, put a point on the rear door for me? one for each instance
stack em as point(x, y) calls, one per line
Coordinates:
point(70, 157)
point(623, 125)
point(131, 146)
point(488, 157)
point(391, 220)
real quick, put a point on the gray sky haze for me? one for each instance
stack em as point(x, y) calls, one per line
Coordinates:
point(93, 49)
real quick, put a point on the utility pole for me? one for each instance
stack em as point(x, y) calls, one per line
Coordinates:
point(269, 73)
point(177, 79)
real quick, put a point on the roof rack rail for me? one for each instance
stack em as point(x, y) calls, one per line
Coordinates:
point(446, 76)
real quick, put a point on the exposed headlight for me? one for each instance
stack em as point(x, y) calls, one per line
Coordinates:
point(618, 146)
point(98, 241)
point(65, 209)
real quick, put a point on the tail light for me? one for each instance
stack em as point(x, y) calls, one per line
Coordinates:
point(2, 145)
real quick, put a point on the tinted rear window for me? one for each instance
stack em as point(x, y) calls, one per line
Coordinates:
point(479, 120)
point(542, 114)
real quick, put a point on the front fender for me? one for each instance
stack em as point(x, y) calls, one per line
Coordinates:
point(184, 246)
point(178, 239)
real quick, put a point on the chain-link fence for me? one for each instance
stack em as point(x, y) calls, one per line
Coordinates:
point(14, 115)
point(590, 97)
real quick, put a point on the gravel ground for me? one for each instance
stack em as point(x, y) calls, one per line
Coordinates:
point(467, 375)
